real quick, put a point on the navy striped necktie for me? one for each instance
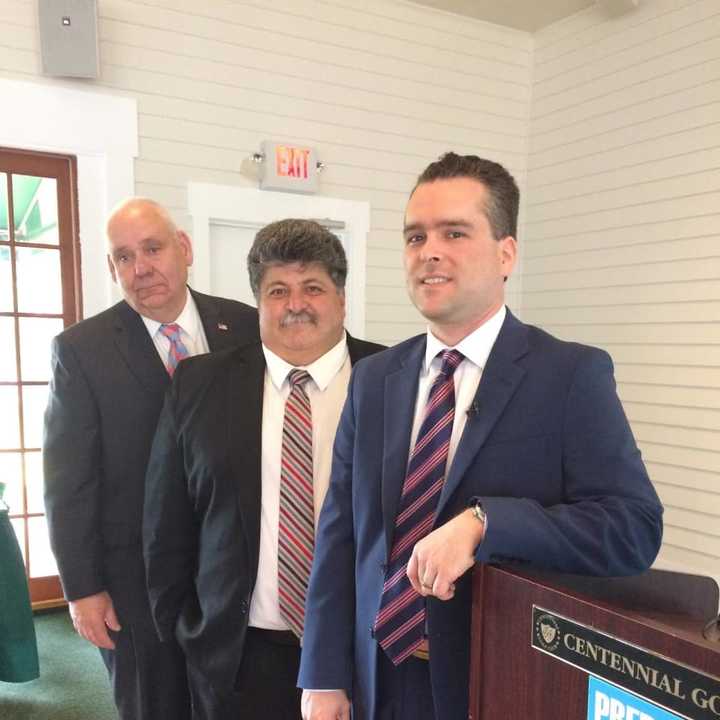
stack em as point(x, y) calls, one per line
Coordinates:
point(400, 623)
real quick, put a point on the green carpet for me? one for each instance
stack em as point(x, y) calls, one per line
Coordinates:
point(73, 682)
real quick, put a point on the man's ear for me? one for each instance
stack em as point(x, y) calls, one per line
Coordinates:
point(111, 268)
point(507, 250)
point(186, 245)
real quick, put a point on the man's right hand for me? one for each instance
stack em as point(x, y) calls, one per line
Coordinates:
point(327, 705)
point(92, 616)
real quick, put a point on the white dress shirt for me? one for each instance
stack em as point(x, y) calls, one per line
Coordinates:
point(327, 390)
point(192, 332)
point(476, 348)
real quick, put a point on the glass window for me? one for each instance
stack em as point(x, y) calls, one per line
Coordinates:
point(42, 561)
point(39, 283)
point(11, 475)
point(35, 337)
point(35, 209)
point(9, 418)
point(39, 296)
point(8, 361)
point(34, 482)
point(34, 403)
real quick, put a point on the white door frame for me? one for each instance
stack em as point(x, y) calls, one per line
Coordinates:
point(101, 131)
point(210, 204)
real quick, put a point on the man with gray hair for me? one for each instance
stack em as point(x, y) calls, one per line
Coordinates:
point(237, 476)
point(110, 373)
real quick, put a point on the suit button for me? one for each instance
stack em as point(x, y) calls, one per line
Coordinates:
point(243, 606)
point(383, 567)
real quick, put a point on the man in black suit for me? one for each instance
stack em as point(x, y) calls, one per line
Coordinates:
point(110, 373)
point(237, 475)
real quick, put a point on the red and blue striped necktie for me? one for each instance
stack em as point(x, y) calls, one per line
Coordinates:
point(296, 527)
point(177, 351)
point(400, 622)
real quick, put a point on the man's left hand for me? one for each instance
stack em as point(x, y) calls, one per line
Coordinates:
point(441, 557)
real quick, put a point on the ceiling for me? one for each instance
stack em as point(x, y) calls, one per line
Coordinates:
point(529, 15)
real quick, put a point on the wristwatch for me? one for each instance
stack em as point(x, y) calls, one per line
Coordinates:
point(479, 512)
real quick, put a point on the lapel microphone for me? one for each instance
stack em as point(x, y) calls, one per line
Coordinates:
point(473, 411)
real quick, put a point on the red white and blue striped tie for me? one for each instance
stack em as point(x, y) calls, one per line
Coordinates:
point(177, 351)
point(296, 534)
point(400, 622)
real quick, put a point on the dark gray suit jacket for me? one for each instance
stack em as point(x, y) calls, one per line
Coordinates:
point(107, 389)
point(202, 506)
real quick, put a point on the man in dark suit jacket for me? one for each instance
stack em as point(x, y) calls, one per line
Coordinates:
point(536, 465)
point(214, 510)
point(110, 373)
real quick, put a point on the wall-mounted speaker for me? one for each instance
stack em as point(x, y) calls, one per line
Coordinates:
point(68, 38)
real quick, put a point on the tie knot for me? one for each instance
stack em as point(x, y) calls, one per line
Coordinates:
point(450, 361)
point(298, 377)
point(170, 330)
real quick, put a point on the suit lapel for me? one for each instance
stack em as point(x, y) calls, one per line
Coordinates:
point(245, 402)
point(499, 381)
point(400, 391)
point(218, 329)
point(137, 349)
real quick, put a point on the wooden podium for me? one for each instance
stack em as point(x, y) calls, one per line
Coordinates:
point(514, 674)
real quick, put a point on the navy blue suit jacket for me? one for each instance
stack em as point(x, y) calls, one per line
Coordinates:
point(549, 453)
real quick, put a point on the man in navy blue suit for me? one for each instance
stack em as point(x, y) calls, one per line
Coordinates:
point(484, 440)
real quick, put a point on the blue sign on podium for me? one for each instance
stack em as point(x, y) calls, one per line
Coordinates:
point(609, 702)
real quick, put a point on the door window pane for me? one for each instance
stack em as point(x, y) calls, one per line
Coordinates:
point(35, 337)
point(6, 286)
point(11, 475)
point(42, 562)
point(34, 402)
point(35, 209)
point(39, 285)
point(9, 418)
point(8, 365)
point(34, 482)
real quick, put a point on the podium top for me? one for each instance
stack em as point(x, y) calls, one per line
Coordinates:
point(654, 591)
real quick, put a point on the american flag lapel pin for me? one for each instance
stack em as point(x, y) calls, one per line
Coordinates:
point(222, 326)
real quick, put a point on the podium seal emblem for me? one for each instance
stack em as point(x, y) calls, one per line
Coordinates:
point(547, 632)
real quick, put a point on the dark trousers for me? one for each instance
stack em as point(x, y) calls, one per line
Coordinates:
point(404, 692)
point(148, 677)
point(265, 685)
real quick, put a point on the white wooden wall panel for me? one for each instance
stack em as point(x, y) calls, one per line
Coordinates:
point(621, 235)
point(380, 88)
point(611, 127)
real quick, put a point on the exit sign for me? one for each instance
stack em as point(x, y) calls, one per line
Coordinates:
point(288, 167)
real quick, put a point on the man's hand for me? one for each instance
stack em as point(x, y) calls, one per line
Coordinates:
point(92, 616)
point(327, 705)
point(441, 557)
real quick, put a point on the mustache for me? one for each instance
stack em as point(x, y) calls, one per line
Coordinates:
point(293, 318)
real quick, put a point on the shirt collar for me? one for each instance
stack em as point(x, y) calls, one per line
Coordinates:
point(188, 319)
point(475, 347)
point(322, 371)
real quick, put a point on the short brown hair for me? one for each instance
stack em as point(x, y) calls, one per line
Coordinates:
point(503, 201)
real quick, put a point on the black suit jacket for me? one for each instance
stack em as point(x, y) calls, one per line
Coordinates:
point(107, 389)
point(202, 506)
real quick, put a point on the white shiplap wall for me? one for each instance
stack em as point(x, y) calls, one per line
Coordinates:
point(380, 87)
point(620, 237)
point(622, 247)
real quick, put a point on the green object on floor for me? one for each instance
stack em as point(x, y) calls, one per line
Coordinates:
point(18, 648)
point(73, 682)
